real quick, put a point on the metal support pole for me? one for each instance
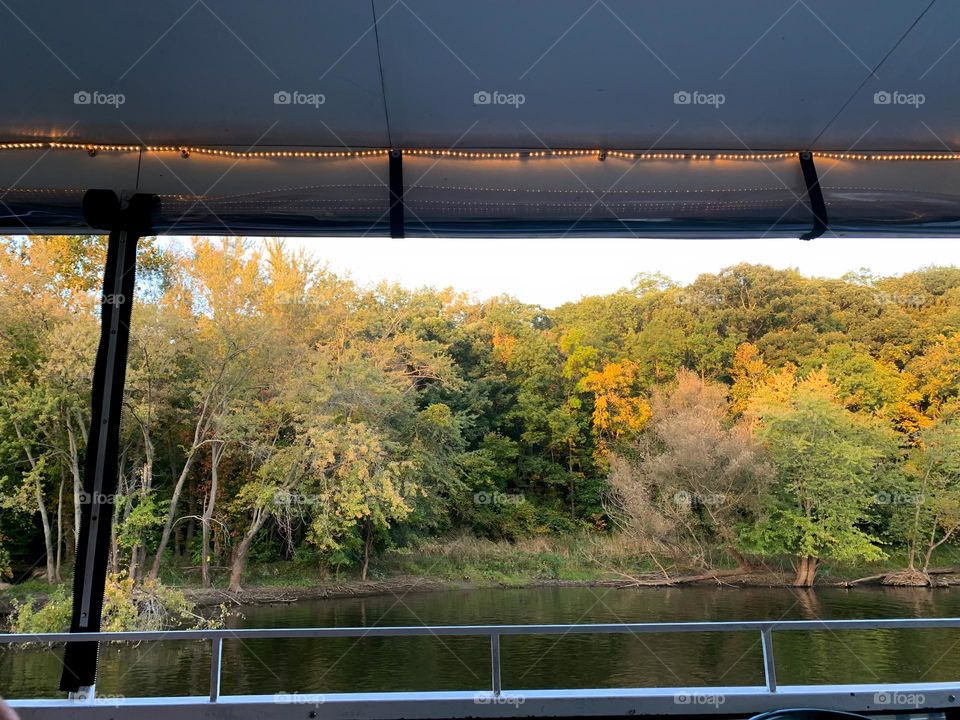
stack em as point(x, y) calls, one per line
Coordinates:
point(216, 662)
point(769, 668)
point(495, 662)
point(102, 210)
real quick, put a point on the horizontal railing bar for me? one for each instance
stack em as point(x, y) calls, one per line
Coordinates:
point(738, 700)
point(487, 630)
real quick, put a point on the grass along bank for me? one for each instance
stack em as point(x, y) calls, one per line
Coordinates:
point(465, 562)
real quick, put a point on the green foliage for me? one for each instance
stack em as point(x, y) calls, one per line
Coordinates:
point(294, 415)
point(826, 459)
point(126, 606)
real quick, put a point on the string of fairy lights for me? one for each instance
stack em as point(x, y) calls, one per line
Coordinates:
point(186, 151)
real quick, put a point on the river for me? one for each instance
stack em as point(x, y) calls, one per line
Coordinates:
point(427, 663)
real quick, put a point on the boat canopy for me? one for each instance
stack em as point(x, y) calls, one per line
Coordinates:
point(688, 118)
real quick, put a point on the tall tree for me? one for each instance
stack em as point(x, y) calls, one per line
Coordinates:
point(826, 458)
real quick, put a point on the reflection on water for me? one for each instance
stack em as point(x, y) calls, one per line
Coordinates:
point(427, 663)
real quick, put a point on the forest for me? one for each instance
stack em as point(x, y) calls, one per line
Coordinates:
point(279, 415)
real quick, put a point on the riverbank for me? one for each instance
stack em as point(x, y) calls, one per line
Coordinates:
point(402, 586)
point(466, 563)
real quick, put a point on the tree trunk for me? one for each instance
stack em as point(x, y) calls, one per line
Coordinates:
point(742, 562)
point(367, 542)
point(171, 514)
point(189, 534)
point(59, 560)
point(77, 480)
point(138, 553)
point(198, 432)
point(932, 546)
point(47, 532)
point(178, 542)
point(238, 563)
point(38, 494)
point(260, 515)
point(806, 571)
point(801, 572)
point(132, 567)
point(114, 550)
point(216, 452)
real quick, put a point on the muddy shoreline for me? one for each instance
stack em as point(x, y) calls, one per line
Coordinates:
point(399, 586)
point(403, 585)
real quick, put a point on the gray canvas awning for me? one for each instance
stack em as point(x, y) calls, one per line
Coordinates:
point(640, 88)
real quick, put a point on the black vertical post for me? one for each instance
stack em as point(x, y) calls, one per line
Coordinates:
point(102, 210)
point(814, 196)
point(396, 194)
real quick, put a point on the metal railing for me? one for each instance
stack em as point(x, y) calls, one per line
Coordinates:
point(941, 694)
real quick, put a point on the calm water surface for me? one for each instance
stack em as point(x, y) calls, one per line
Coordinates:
point(427, 663)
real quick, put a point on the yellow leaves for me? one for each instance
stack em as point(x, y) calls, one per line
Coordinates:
point(748, 362)
point(619, 409)
point(939, 367)
point(748, 371)
point(819, 381)
point(774, 389)
point(908, 419)
point(503, 345)
point(225, 277)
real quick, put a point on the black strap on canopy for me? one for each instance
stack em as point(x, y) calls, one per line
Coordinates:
point(102, 210)
point(814, 196)
point(396, 194)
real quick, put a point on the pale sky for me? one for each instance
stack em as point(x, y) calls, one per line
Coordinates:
point(550, 272)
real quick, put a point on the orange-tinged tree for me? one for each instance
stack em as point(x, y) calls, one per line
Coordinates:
point(619, 409)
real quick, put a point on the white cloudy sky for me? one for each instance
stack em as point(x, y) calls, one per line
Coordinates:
point(550, 271)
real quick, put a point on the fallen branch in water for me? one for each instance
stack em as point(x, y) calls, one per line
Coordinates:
point(653, 580)
point(868, 578)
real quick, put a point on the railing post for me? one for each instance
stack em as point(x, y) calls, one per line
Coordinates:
point(215, 663)
point(495, 662)
point(769, 668)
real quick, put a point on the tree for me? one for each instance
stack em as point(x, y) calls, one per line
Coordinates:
point(825, 460)
point(700, 472)
point(619, 410)
point(933, 506)
point(222, 283)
